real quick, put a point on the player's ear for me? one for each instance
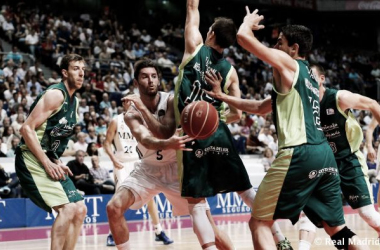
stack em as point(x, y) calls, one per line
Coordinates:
point(64, 73)
point(135, 83)
point(295, 48)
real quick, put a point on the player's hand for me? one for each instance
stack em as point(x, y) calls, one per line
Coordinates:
point(117, 164)
point(135, 99)
point(253, 19)
point(179, 142)
point(371, 153)
point(55, 171)
point(215, 81)
point(65, 169)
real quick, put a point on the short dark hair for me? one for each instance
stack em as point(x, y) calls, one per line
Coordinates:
point(225, 31)
point(299, 34)
point(144, 63)
point(69, 58)
point(319, 68)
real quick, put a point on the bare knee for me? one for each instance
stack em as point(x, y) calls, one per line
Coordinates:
point(119, 204)
point(67, 211)
point(254, 224)
point(81, 211)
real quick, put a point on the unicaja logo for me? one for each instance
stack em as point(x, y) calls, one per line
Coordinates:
point(313, 174)
point(199, 153)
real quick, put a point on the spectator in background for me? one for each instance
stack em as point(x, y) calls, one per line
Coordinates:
point(14, 143)
point(15, 56)
point(92, 149)
point(32, 41)
point(5, 180)
point(92, 137)
point(69, 150)
point(265, 136)
point(3, 112)
point(268, 158)
point(54, 78)
point(81, 143)
point(83, 108)
point(3, 148)
point(105, 103)
point(18, 123)
point(81, 177)
point(101, 176)
point(101, 127)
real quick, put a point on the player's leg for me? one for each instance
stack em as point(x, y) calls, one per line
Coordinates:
point(222, 240)
point(353, 171)
point(120, 202)
point(248, 196)
point(75, 225)
point(61, 225)
point(159, 232)
point(307, 232)
point(201, 225)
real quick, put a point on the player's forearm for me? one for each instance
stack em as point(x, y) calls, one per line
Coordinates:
point(158, 129)
point(192, 5)
point(108, 150)
point(31, 140)
point(250, 106)
point(153, 143)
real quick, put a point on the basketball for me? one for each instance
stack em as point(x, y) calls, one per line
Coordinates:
point(199, 119)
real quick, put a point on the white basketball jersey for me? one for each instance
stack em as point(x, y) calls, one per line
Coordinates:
point(124, 141)
point(157, 157)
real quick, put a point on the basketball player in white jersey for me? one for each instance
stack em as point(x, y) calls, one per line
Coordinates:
point(123, 160)
point(151, 118)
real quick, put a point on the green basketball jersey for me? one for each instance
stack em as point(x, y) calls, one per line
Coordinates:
point(341, 129)
point(191, 79)
point(296, 113)
point(54, 133)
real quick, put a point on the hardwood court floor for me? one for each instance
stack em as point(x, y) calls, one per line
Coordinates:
point(93, 236)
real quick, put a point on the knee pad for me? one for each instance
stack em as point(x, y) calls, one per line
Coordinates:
point(199, 207)
point(306, 224)
point(248, 197)
point(369, 215)
point(342, 238)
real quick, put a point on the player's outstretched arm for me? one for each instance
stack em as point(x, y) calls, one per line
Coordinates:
point(251, 106)
point(349, 100)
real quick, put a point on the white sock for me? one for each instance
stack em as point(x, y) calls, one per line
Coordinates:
point(157, 228)
point(248, 196)
point(277, 233)
point(201, 224)
point(304, 245)
point(124, 246)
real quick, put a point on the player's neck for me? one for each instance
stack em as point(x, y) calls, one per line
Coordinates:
point(151, 102)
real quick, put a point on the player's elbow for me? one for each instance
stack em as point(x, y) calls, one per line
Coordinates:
point(24, 130)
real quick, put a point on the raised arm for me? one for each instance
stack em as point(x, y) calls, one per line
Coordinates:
point(279, 60)
point(46, 106)
point(192, 35)
point(143, 135)
point(233, 91)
